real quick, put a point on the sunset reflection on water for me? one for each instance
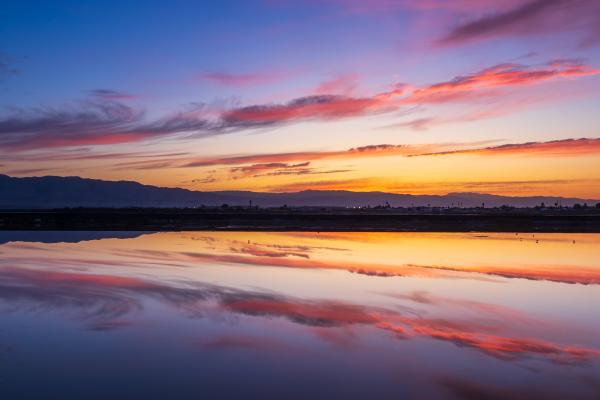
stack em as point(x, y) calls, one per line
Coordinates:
point(231, 314)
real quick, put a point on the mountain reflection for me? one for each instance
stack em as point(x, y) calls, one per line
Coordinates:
point(288, 296)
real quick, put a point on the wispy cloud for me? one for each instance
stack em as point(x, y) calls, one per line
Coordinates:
point(105, 119)
point(324, 107)
point(565, 147)
point(499, 76)
point(341, 84)
point(533, 17)
point(258, 168)
point(99, 121)
point(254, 162)
point(278, 169)
point(356, 152)
point(471, 87)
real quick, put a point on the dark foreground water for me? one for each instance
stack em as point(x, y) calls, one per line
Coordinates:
point(299, 315)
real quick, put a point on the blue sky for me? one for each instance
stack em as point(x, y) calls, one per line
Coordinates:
point(118, 79)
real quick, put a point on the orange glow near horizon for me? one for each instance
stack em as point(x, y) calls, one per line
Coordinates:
point(569, 258)
point(551, 169)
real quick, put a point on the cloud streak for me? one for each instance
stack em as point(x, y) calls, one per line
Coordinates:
point(462, 88)
point(278, 169)
point(252, 163)
point(496, 77)
point(104, 119)
point(565, 147)
point(533, 17)
point(93, 122)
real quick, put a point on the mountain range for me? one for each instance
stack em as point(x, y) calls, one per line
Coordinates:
point(59, 192)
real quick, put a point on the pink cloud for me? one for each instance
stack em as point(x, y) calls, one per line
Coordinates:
point(106, 121)
point(342, 84)
point(483, 83)
point(499, 76)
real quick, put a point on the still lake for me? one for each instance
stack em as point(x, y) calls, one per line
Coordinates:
point(190, 315)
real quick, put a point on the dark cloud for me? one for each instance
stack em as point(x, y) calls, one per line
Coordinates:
point(303, 108)
point(278, 169)
point(305, 171)
point(92, 122)
point(534, 17)
point(257, 168)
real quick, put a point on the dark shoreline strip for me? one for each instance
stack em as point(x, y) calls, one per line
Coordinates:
point(172, 220)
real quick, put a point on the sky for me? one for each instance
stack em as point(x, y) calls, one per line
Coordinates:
point(402, 96)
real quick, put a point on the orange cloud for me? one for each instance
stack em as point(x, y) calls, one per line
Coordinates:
point(565, 147)
point(550, 148)
point(378, 150)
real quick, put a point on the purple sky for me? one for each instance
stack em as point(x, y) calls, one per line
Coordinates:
point(278, 95)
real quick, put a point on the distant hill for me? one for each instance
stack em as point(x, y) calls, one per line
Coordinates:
point(58, 192)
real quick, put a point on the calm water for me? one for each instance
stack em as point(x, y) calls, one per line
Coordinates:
point(299, 315)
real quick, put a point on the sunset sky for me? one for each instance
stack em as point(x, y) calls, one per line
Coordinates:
point(403, 96)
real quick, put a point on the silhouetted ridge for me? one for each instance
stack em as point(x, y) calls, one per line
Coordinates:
point(58, 192)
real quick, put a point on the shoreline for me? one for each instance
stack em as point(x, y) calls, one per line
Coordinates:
point(519, 220)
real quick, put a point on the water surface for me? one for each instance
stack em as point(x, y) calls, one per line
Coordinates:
point(132, 315)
